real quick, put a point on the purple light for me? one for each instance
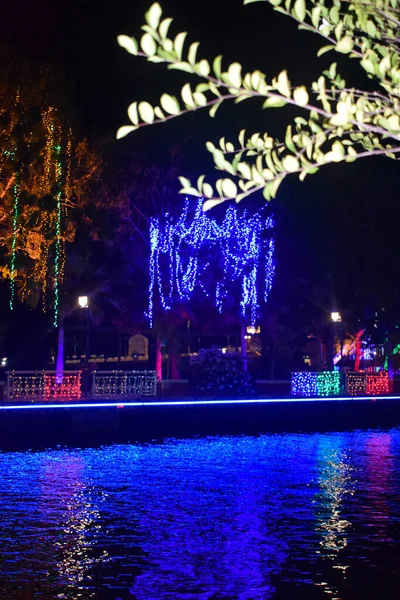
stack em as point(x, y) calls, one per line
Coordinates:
point(198, 402)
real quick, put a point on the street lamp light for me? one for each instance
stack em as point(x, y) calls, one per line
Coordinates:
point(83, 302)
point(337, 318)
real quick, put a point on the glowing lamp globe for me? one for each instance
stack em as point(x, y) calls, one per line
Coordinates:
point(83, 301)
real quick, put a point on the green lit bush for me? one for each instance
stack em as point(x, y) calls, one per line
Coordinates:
point(219, 374)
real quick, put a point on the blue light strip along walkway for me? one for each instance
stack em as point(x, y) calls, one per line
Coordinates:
point(122, 404)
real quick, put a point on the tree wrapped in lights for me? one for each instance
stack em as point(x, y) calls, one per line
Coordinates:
point(196, 250)
point(45, 174)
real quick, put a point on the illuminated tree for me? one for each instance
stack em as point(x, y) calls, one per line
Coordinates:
point(336, 122)
point(45, 179)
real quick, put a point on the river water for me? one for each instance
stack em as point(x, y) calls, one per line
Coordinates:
point(286, 516)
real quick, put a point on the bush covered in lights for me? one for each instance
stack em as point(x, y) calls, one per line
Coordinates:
point(220, 374)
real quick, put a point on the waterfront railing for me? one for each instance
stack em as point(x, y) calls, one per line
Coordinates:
point(32, 386)
point(124, 384)
point(43, 385)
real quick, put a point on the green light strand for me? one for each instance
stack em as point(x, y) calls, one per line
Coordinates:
point(58, 244)
point(14, 243)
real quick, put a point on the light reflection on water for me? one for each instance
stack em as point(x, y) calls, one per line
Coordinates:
point(248, 518)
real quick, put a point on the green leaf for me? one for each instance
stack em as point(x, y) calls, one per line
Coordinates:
point(164, 26)
point(129, 43)
point(299, 9)
point(153, 15)
point(123, 131)
point(185, 183)
point(187, 97)
point(178, 44)
point(234, 75)
point(325, 49)
point(315, 15)
point(345, 45)
point(193, 52)
point(200, 99)
point(300, 96)
point(146, 112)
point(170, 104)
point(159, 113)
point(209, 204)
point(133, 113)
point(214, 108)
point(148, 44)
point(181, 66)
point(229, 188)
point(338, 150)
point(217, 66)
point(334, 15)
point(282, 84)
point(288, 139)
point(203, 68)
point(207, 190)
point(290, 163)
point(274, 102)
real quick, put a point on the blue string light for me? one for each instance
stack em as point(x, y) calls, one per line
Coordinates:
point(178, 250)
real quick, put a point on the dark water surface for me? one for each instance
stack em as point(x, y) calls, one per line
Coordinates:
point(241, 518)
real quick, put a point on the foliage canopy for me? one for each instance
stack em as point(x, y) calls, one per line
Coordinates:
point(336, 121)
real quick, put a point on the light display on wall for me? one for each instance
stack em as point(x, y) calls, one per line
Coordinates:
point(356, 384)
point(182, 250)
point(372, 384)
point(306, 384)
point(377, 383)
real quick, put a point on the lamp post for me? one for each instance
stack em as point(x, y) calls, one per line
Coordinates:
point(83, 302)
point(337, 318)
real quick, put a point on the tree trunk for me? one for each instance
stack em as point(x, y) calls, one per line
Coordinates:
point(390, 357)
point(272, 361)
point(243, 344)
point(158, 359)
point(60, 354)
point(175, 358)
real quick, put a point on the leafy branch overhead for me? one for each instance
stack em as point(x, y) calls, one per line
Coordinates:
point(336, 122)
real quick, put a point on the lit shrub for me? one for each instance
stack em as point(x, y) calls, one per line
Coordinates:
point(219, 374)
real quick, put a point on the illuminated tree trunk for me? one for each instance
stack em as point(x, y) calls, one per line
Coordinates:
point(243, 344)
point(158, 359)
point(60, 354)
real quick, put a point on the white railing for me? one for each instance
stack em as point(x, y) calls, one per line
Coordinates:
point(43, 385)
point(124, 384)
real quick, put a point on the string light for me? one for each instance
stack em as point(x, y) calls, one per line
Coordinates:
point(307, 384)
point(58, 236)
point(372, 384)
point(14, 243)
point(356, 383)
point(178, 250)
point(377, 383)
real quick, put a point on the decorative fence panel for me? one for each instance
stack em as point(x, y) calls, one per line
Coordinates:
point(307, 384)
point(43, 385)
point(370, 384)
point(124, 384)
